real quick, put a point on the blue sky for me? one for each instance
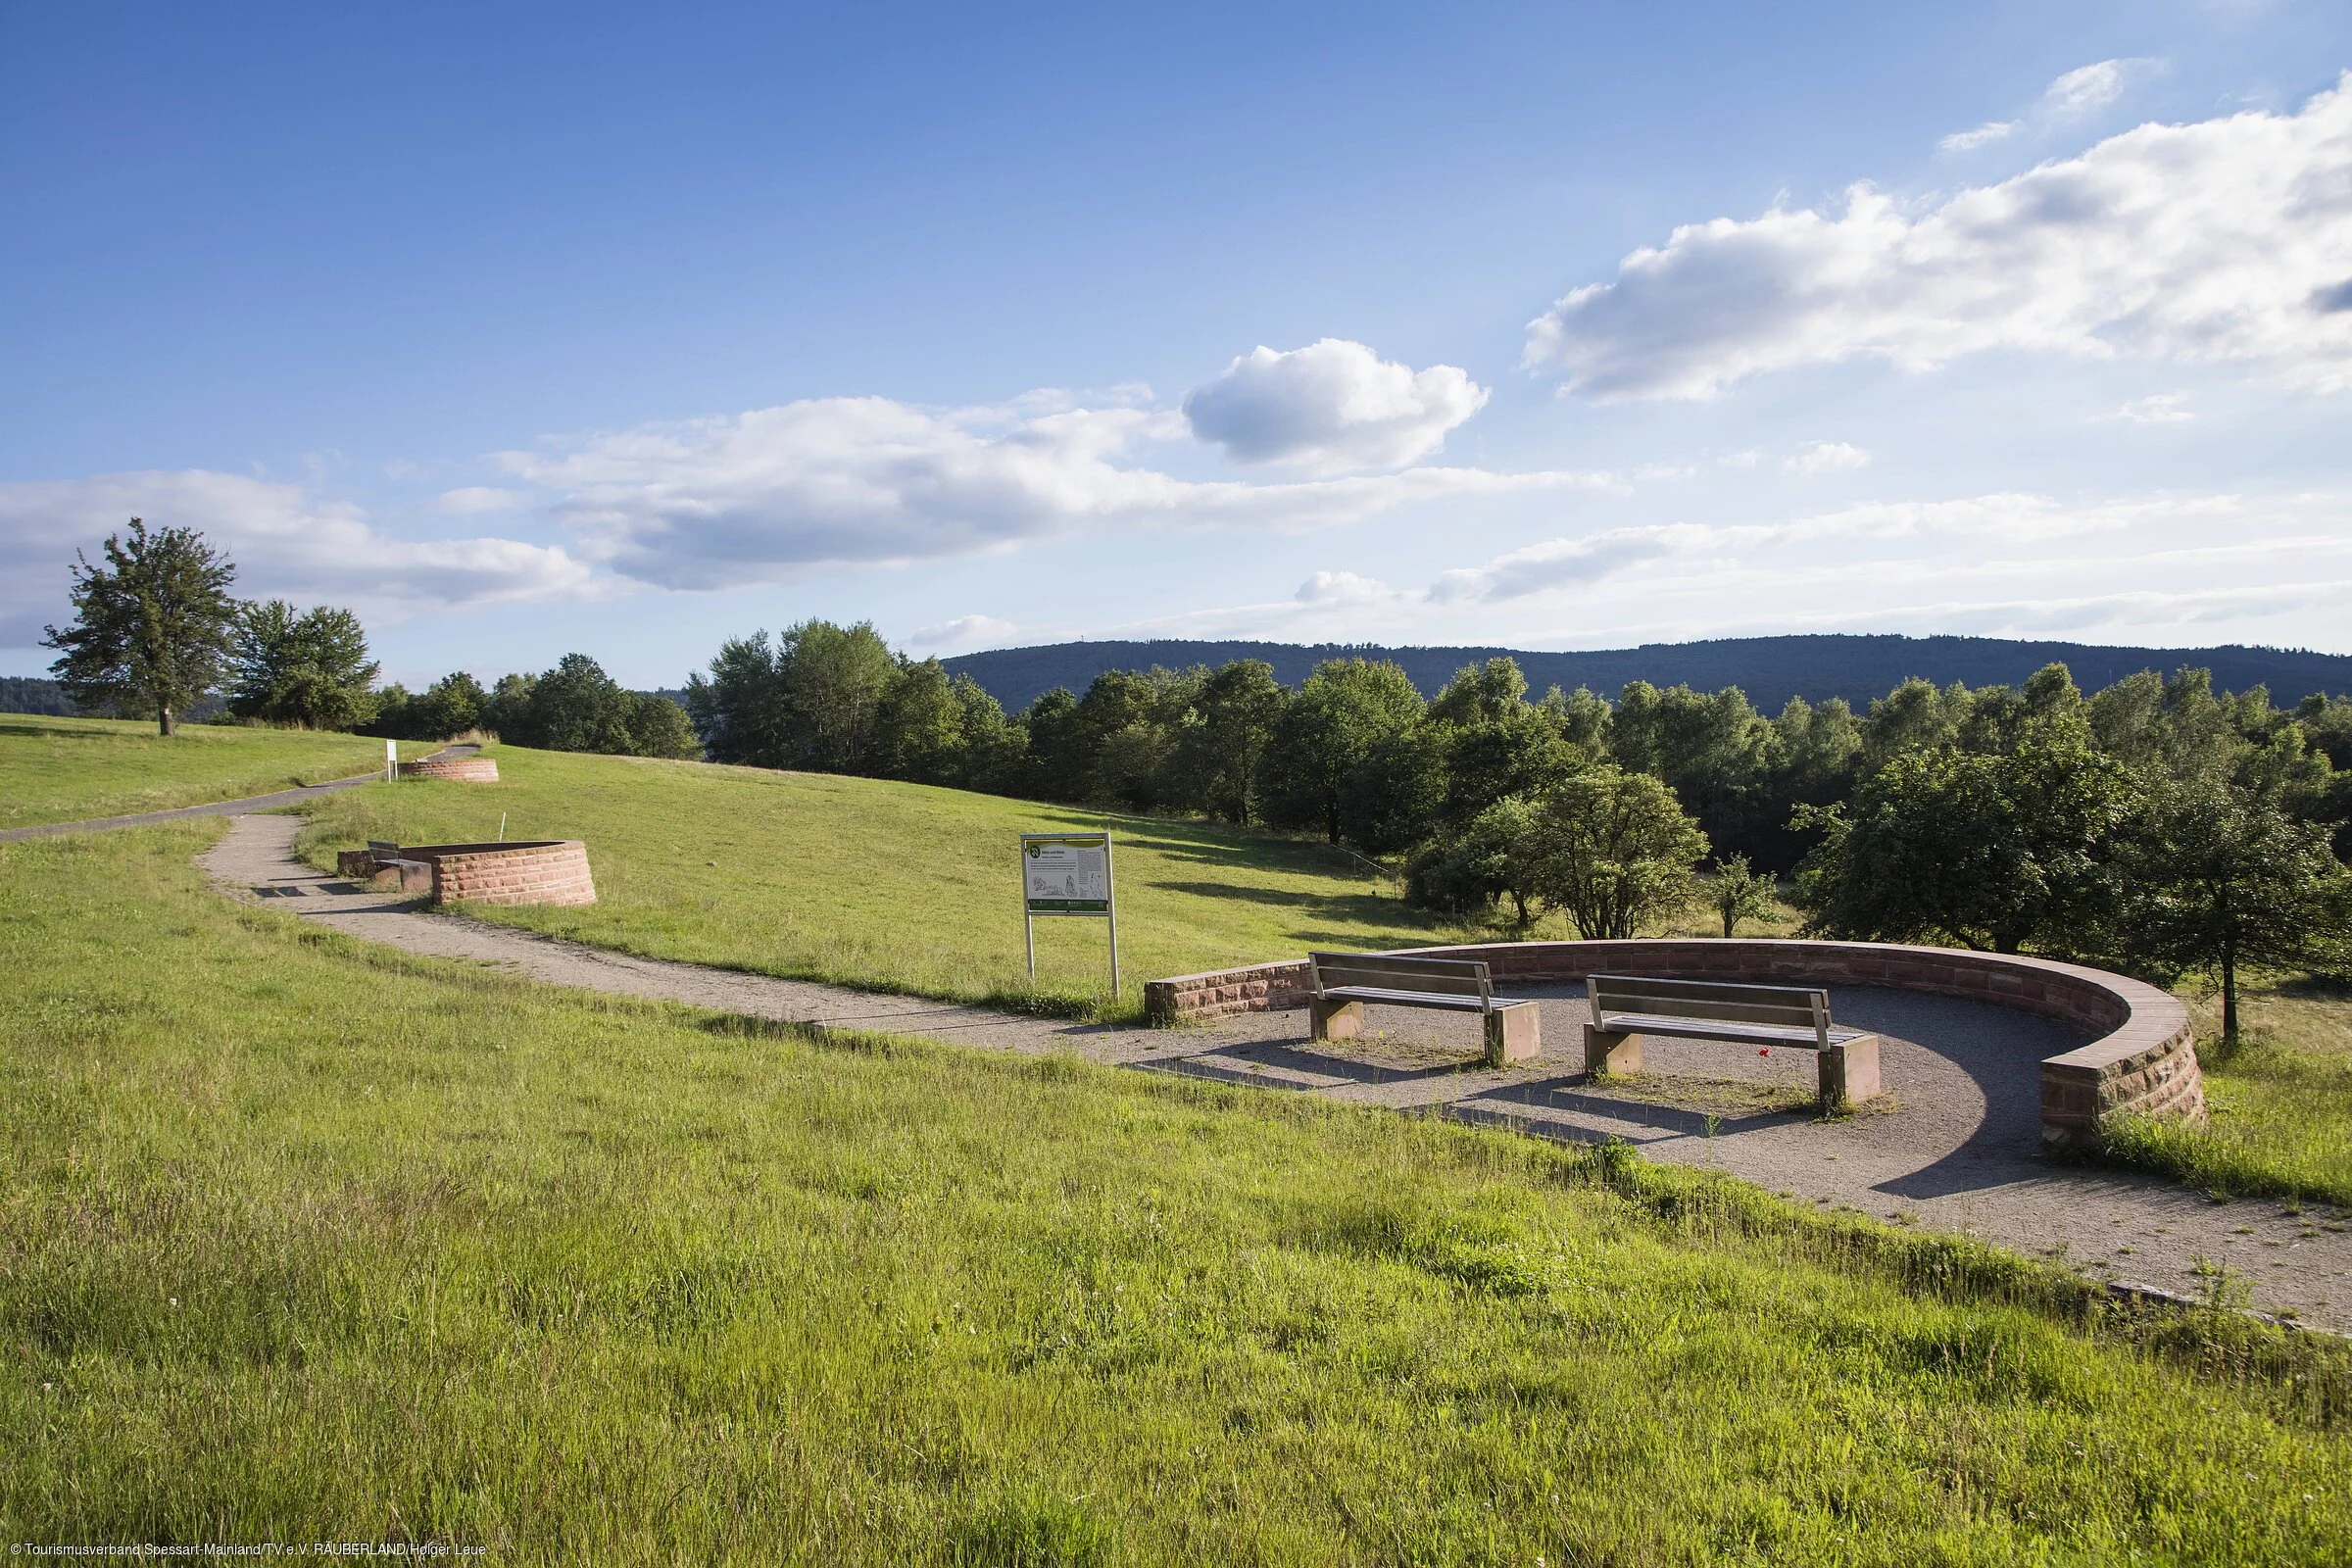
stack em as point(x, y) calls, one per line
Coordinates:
point(625, 330)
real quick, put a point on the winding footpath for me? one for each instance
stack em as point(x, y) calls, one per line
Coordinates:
point(1958, 1149)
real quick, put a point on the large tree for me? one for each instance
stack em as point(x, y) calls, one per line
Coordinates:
point(2218, 877)
point(1344, 710)
point(311, 670)
point(1982, 851)
point(152, 628)
point(1617, 851)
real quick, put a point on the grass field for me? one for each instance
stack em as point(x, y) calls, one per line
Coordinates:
point(301, 1240)
point(2282, 1104)
point(871, 883)
point(65, 770)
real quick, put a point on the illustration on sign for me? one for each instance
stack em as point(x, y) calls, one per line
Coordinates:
point(1067, 876)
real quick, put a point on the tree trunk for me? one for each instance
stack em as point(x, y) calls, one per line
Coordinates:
point(2229, 1001)
point(1331, 820)
point(165, 722)
point(1519, 902)
point(1729, 919)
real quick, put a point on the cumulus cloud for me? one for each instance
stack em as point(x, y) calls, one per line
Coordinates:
point(1826, 456)
point(2223, 240)
point(284, 541)
point(774, 493)
point(1331, 408)
point(964, 631)
point(2161, 408)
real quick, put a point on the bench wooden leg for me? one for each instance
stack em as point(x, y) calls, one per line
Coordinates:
point(1334, 1021)
point(1848, 1073)
point(1513, 1033)
point(1611, 1050)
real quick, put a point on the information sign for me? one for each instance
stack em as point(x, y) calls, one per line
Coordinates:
point(1065, 874)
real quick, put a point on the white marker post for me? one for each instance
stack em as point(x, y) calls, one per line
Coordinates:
point(391, 761)
point(1068, 874)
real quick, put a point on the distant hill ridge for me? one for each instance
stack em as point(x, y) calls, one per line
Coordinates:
point(1770, 669)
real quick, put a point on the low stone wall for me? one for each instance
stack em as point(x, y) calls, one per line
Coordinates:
point(517, 871)
point(2142, 1059)
point(465, 769)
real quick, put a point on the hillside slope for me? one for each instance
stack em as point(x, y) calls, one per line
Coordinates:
point(55, 769)
point(1770, 669)
point(873, 883)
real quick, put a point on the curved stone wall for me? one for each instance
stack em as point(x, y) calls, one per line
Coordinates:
point(466, 770)
point(517, 871)
point(2142, 1058)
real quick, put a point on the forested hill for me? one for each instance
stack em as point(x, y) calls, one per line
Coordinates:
point(1770, 669)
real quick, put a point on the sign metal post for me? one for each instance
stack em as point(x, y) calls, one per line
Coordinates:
point(1069, 874)
point(391, 761)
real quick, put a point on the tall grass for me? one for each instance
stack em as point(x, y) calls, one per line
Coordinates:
point(302, 1240)
point(67, 769)
point(2280, 1102)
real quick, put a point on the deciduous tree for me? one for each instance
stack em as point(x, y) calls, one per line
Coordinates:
point(152, 627)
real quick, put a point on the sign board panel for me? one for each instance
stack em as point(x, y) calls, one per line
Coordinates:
point(1066, 874)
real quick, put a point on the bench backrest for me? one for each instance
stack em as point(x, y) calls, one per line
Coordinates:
point(1718, 1001)
point(1448, 977)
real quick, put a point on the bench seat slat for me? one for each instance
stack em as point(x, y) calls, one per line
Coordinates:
point(1726, 1011)
point(1414, 998)
point(1645, 1023)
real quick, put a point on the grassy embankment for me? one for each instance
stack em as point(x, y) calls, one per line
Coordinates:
point(304, 1240)
point(877, 884)
point(2281, 1103)
point(67, 769)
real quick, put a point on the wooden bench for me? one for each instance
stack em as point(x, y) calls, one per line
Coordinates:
point(1625, 1008)
point(1345, 981)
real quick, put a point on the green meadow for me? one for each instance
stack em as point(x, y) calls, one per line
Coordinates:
point(871, 883)
point(304, 1240)
point(67, 769)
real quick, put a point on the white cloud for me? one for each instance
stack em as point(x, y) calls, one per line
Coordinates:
point(1826, 456)
point(1343, 588)
point(1993, 130)
point(774, 493)
point(284, 542)
point(964, 631)
point(1331, 408)
point(2089, 87)
point(2161, 408)
point(1562, 562)
point(474, 499)
point(2225, 240)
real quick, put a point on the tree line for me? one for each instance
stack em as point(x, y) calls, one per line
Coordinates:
point(157, 632)
point(2156, 825)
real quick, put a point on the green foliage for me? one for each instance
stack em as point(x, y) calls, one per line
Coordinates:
point(1990, 851)
point(1615, 851)
point(1498, 854)
point(2219, 878)
point(309, 670)
point(577, 706)
point(1343, 711)
point(451, 705)
point(1738, 894)
point(152, 628)
point(311, 1242)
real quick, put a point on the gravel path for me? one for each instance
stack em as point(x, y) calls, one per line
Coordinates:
point(1958, 1149)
